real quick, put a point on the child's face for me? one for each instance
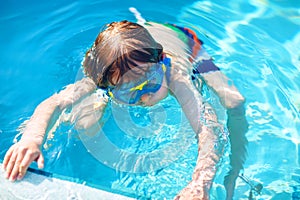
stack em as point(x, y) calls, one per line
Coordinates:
point(147, 89)
point(150, 99)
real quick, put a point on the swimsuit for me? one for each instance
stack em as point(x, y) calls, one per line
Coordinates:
point(195, 44)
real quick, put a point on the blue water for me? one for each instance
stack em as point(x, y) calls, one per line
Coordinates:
point(255, 43)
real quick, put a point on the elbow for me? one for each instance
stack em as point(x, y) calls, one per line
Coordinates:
point(50, 104)
point(235, 101)
point(56, 102)
point(237, 108)
point(239, 102)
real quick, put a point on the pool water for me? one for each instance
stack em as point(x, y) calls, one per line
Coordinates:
point(255, 43)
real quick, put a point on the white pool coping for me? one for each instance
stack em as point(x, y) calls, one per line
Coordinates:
point(35, 186)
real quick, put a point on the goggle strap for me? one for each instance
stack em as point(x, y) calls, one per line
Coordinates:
point(110, 94)
point(164, 67)
point(140, 86)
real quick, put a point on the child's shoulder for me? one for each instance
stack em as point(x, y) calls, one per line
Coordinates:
point(166, 27)
point(171, 38)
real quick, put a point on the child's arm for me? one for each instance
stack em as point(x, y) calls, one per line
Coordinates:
point(210, 141)
point(237, 124)
point(204, 122)
point(20, 155)
point(229, 95)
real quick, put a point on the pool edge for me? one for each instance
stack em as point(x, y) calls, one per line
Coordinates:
point(36, 186)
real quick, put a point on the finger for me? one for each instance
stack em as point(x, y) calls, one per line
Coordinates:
point(27, 160)
point(10, 164)
point(22, 171)
point(7, 157)
point(15, 169)
point(40, 161)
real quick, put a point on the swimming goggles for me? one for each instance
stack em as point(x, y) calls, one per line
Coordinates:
point(131, 92)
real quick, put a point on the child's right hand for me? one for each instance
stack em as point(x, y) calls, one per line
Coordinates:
point(194, 190)
point(19, 157)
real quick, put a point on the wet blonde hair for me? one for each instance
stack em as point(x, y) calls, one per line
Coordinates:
point(122, 46)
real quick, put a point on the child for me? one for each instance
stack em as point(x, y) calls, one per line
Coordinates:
point(141, 65)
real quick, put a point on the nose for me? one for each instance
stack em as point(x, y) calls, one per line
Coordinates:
point(145, 99)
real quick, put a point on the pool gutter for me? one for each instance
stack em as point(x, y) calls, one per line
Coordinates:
point(36, 186)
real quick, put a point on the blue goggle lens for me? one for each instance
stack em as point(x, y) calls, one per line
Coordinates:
point(131, 95)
